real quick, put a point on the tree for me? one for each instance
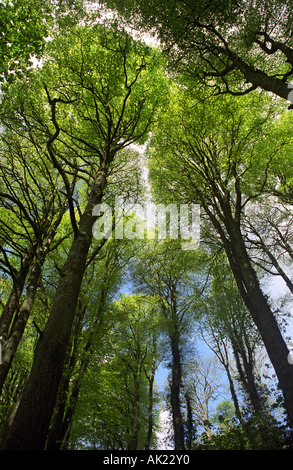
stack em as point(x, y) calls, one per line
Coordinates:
point(97, 107)
point(98, 290)
point(79, 95)
point(137, 336)
point(119, 408)
point(246, 436)
point(218, 153)
point(270, 240)
point(230, 324)
point(225, 412)
point(203, 383)
point(229, 332)
point(231, 47)
point(166, 271)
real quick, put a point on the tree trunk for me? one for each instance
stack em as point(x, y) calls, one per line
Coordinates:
point(136, 422)
point(253, 297)
point(54, 437)
point(189, 421)
point(151, 380)
point(266, 323)
point(28, 430)
point(63, 415)
point(12, 304)
point(258, 77)
point(244, 363)
point(175, 395)
point(233, 394)
point(261, 313)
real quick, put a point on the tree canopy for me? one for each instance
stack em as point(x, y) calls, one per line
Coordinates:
point(146, 228)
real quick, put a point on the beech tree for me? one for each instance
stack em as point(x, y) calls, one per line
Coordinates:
point(94, 106)
point(171, 276)
point(231, 47)
point(203, 382)
point(233, 337)
point(218, 152)
point(99, 288)
point(89, 112)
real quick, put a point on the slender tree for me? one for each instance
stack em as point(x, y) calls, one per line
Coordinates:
point(233, 335)
point(171, 276)
point(203, 383)
point(120, 409)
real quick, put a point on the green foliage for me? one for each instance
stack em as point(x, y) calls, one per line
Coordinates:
point(224, 414)
point(97, 91)
point(18, 373)
point(254, 434)
point(222, 143)
point(115, 394)
point(23, 35)
point(229, 47)
point(26, 27)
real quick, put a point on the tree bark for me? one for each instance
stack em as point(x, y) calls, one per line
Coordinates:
point(175, 394)
point(266, 323)
point(189, 421)
point(245, 371)
point(258, 77)
point(151, 380)
point(150, 413)
point(136, 421)
point(28, 430)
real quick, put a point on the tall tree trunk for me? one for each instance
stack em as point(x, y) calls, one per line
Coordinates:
point(63, 415)
point(244, 363)
point(136, 422)
point(189, 421)
point(223, 356)
point(54, 437)
point(175, 394)
point(255, 301)
point(28, 430)
point(150, 414)
point(233, 394)
point(257, 304)
point(151, 380)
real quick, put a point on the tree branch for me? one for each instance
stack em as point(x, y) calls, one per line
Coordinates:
point(53, 102)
